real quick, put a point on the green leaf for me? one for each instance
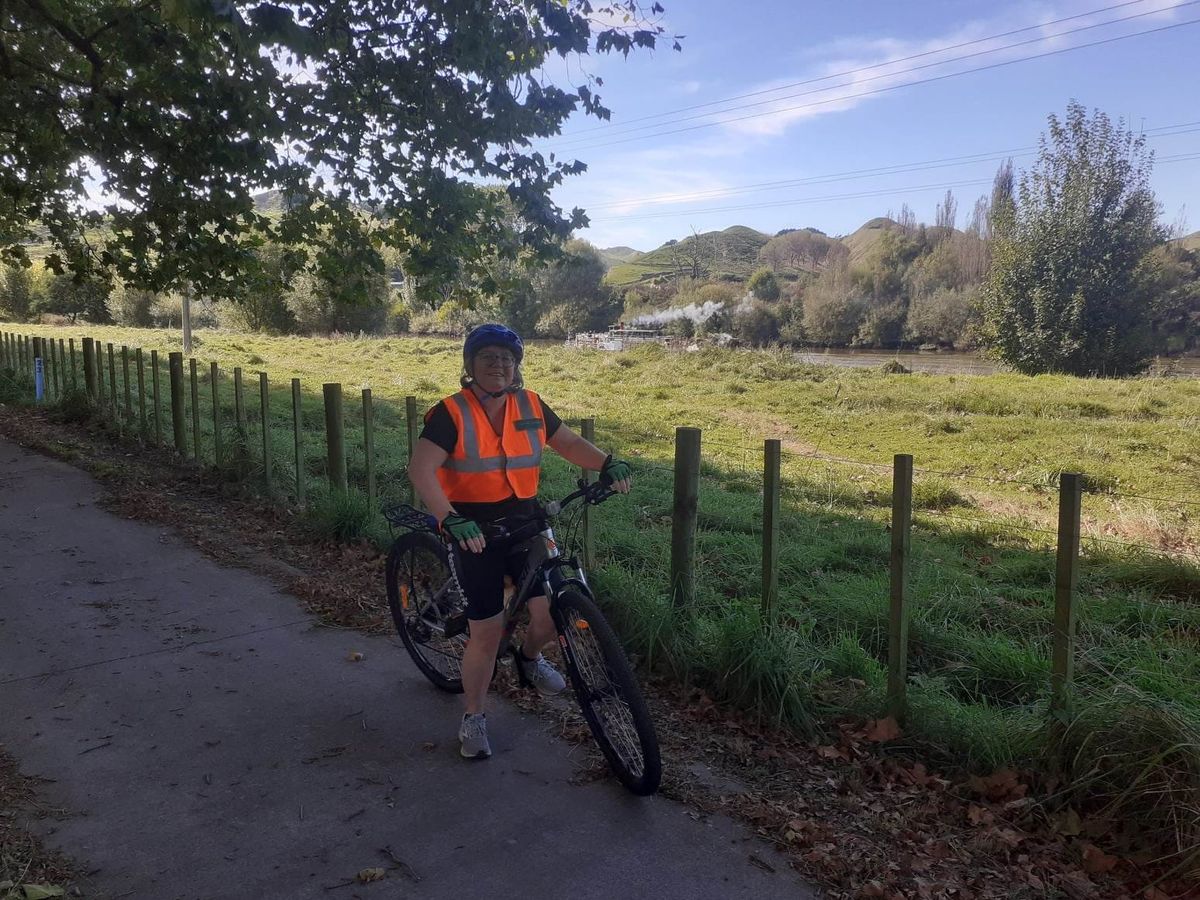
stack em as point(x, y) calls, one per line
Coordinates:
point(42, 891)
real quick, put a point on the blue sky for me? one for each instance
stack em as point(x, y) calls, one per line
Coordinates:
point(643, 187)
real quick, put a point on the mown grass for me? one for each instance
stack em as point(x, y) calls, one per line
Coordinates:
point(988, 450)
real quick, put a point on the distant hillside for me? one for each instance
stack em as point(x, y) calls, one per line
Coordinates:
point(1191, 242)
point(270, 203)
point(733, 251)
point(861, 241)
point(614, 256)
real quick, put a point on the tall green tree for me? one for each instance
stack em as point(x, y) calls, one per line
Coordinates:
point(16, 293)
point(1070, 289)
point(180, 110)
point(76, 299)
point(572, 295)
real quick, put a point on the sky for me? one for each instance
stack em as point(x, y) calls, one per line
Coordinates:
point(828, 138)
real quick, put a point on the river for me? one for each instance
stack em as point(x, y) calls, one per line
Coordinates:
point(949, 362)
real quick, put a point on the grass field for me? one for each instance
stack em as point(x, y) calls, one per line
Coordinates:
point(988, 450)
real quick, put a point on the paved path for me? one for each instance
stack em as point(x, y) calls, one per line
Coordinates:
point(212, 741)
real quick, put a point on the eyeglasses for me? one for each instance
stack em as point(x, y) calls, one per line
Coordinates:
point(497, 359)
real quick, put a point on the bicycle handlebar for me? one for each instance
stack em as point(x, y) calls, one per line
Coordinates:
point(594, 493)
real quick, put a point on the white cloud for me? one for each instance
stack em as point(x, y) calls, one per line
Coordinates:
point(863, 68)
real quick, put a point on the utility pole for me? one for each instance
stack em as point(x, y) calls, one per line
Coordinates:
point(187, 319)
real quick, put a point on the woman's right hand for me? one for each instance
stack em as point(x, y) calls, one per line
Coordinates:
point(465, 531)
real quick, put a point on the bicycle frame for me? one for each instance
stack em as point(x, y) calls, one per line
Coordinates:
point(543, 574)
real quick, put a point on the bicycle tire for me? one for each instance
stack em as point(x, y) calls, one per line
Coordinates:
point(413, 597)
point(608, 694)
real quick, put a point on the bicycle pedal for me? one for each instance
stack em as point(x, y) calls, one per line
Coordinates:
point(456, 624)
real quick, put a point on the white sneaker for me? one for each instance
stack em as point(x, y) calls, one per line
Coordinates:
point(541, 674)
point(472, 733)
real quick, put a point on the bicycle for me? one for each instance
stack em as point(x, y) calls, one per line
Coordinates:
point(429, 612)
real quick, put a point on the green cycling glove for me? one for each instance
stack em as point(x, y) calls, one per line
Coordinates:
point(460, 527)
point(616, 469)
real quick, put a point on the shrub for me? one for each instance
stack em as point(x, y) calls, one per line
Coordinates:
point(764, 286)
point(757, 324)
point(132, 307)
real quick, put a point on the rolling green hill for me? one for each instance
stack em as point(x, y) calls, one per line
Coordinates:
point(615, 256)
point(733, 251)
point(861, 241)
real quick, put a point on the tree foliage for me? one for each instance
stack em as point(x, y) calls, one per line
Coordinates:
point(764, 286)
point(1069, 289)
point(571, 294)
point(180, 110)
point(16, 294)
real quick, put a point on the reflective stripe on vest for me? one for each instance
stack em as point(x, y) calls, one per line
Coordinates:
point(473, 473)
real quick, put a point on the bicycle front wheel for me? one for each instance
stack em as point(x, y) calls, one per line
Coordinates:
point(608, 693)
point(421, 596)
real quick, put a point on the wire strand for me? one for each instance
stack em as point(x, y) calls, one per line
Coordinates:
point(1028, 41)
point(891, 62)
point(895, 87)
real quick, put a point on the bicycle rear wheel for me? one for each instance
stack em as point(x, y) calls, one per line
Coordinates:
point(607, 691)
point(421, 596)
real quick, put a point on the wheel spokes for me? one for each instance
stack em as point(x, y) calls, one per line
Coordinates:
point(603, 696)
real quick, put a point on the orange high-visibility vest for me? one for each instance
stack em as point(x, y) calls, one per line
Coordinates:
point(486, 467)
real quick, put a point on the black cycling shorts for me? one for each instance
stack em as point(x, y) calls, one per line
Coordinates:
point(482, 577)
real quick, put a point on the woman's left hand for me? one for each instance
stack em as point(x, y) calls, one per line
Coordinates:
point(619, 473)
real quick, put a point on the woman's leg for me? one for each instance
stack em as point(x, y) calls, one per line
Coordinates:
point(479, 659)
point(541, 627)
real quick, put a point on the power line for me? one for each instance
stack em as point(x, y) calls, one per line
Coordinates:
point(881, 192)
point(942, 62)
point(896, 87)
point(875, 172)
point(890, 62)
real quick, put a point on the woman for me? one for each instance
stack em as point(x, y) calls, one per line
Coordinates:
point(477, 461)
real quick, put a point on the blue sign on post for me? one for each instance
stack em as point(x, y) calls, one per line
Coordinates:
point(39, 379)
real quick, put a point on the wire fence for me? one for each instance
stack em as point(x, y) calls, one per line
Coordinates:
point(290, 443)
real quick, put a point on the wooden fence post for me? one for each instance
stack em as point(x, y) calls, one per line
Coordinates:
point(214, 374)
point(48, 367)
point(74, 377)
point(264, 409)
point(140, 365)
point(239, 403)
point(685, 508)
point(410, 421)
point(588, 432)
point(112, 383)
point(52, 352)
point(772, 452)
point(89, 366)
point(100, 400)
point(195, 385)
point(902, 488)
point(335, 444)
point(178, 423)
point(157, 398)
point(1066, 575)
point(297, 427)
point(369, 445)
point(128, 386)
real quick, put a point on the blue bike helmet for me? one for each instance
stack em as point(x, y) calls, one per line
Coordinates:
point(492, 335)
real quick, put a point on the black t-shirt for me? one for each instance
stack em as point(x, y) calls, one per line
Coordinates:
point(441, 430)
